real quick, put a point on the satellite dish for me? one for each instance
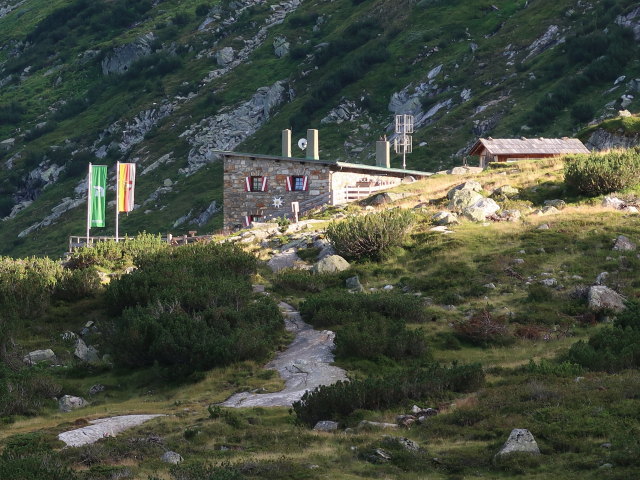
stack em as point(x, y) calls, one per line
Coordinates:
point(302, 143)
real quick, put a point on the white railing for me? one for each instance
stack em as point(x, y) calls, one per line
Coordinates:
point(352, 194)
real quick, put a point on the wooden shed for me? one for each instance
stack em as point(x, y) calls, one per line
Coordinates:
point(511, 149)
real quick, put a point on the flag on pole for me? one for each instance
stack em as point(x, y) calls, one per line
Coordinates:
point(126, 186)
point(98, 187)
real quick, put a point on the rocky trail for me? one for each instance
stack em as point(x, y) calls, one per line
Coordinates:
point(304, 365)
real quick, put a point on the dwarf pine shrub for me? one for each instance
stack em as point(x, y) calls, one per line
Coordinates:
point(372, 235)
point(601, 173)
point(430, 382)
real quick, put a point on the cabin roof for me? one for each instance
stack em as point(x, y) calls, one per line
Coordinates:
point(524, 146)
point(331, 164)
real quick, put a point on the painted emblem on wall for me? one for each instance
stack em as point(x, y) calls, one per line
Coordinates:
point(277, 202)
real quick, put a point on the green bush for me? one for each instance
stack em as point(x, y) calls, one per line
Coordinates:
point(77, 284)
point(372, 235)
point(24, 391)
point(601, 173)
point(371, 336)
point(192, 308)
point(430, 382)
point(114, 255)
point(304, 281)
point(339, 307)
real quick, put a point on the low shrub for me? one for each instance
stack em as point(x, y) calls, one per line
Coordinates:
point(372, 336)
point(77, 284)
point(429, 382)
point(24, 391)
point(372, 235)
point(339, 307)
point(601, 173)
point(304, 281)
point(483, 329)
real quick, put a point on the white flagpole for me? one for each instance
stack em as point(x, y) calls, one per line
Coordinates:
point(89, 204)
point(117, 198)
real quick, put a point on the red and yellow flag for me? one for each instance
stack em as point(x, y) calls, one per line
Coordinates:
point(126, 185)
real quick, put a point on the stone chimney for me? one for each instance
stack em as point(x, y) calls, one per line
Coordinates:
point(286, 143)
point(383, 158)
point(312, 144)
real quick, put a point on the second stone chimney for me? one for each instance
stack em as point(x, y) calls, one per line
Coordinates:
point(383, 158)
point(286, 143)
point(312, 144)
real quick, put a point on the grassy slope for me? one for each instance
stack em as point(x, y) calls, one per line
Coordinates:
point(569, 419)
point(410, 31)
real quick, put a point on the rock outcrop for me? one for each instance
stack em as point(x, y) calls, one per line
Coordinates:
point(122, 57)
point(520, 440)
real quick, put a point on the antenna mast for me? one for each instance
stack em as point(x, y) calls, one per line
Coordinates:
point(403, 143)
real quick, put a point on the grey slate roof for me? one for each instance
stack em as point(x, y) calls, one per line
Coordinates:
point(524, 146)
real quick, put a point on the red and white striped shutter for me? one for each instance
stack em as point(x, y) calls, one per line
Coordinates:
point(288, 184)
point(247, 221)
point(305, 183)
point(264, 184)
point(247, 184)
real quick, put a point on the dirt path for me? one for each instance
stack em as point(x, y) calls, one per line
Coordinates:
point(304, 365)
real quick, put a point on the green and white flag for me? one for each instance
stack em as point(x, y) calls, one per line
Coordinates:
point(97, 190)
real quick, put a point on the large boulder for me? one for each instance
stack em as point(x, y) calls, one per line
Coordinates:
point(480, 210)
point(462, 199)
point(87, 354)
point(520, 440)
point(505, 191)
point(613, 202)
point(286, 259)
point(171, 457)
point(603, 298)
point(280, 47)
point(623, 243)
point(445, 218)
point(69, 402)
point(37, 356)
point(122, 57)
point(470, 185)
point(386, 197)
point(331, 264)
point(225, 56)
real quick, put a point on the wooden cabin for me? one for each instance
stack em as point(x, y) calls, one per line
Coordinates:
point(511, 149)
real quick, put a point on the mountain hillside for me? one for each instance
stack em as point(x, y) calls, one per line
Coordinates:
point(167, 83)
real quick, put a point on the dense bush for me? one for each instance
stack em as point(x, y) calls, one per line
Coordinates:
point(339, 307)
point(77, 284)
point(614, 348)
point(192, 308)
point(24, 391)
point(371, 336)
point(602, 173)
point(430, 382)
point(372, 235)
point(306, 281)
point(117, 255)
point(10, 114)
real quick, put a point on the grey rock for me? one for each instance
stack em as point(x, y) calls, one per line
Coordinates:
point(445, 218)
point(612, 202)
point(549, 39)
point(286, 259)
point(406, 443)
point(171, 457)
point(326, 426)
point(557, 203)
point(69, 402)
point(520, 440)
point(470, 185)
point(549, 282)
point(544, 226)
point(280, 47)
point(463, 170)
point(624, 244)
point(462, 199)
point(603, 298)
point(388, 288)
point(510, 215)
point(101, 428)
point(96, 389)
point(518, 261)
point(489, 286)
point(207, 214)
point(37, 356)
point(605, 466)
point(331, 264)
point(378, 455)
point(386, 197)
point(87, 354)
point(353, 284)
point(480, 210)
point(121, 58)
point(601, 278)
point(505, 191)
point(602, 139)
point(225, 56)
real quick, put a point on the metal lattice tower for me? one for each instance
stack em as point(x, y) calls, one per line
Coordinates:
point(403, 143)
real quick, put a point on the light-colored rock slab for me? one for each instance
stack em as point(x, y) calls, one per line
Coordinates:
point(103, 427)
point(520, 440)
point(304, 365)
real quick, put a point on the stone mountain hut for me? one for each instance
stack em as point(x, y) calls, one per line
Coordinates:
point(511, 149)
point(258, 188)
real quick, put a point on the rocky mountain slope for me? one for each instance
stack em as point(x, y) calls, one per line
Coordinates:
point(167, 83)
